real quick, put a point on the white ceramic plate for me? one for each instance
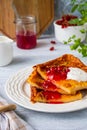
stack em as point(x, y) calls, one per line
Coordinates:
point(19, 91)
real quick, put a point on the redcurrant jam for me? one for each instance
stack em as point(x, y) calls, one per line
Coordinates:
point(55, 102)
point(26, 40)
point(57, 73)
point(51, 95)
point(47, 85)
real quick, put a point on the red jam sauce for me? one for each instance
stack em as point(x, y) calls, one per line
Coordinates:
point(51, 95)
point(57, 73)
point(26, 41)
point(47, 85)
point(56, 102)
point(64, 22)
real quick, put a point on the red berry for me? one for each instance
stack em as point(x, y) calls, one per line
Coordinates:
point(52, 48)
point(53, 42)
point(64, 22)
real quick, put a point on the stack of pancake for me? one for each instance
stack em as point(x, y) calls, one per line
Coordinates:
point(46, 89)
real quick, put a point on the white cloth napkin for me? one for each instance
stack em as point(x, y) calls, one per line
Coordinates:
point(11, 121)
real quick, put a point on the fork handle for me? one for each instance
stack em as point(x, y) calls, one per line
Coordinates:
point(9, 107)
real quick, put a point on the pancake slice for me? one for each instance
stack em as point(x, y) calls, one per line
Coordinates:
point(71, 86)
point(38, 95)
point(36, 80)
point(67, 60)
point(50, 81)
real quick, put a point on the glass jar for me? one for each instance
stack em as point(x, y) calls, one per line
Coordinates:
point(26, 32)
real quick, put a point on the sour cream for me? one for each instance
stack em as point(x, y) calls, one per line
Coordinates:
point(77, 74)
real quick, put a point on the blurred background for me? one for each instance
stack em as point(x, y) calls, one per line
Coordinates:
point(40, 8)
point(60, 7)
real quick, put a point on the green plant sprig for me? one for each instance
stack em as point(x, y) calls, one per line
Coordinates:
point(77, 45)
point(81, 7)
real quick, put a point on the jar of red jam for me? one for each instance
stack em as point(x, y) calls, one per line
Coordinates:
point(26, 32)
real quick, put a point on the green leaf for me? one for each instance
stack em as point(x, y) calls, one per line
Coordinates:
point(74, 36)
point(77, 43)
point(84, 52)
point(75, 21)
point(73, 1)
point(82, 30)
point(73, 47)
point(74, 8)
point(65, 42)
point(70, 39)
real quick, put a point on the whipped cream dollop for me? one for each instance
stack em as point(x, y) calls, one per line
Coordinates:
point(77, 74)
